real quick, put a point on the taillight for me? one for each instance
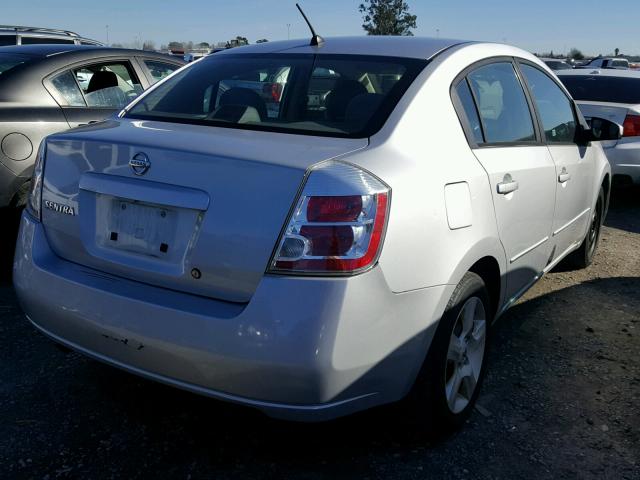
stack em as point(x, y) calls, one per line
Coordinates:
point(631, 126)
point(34, 202)
point(338, 223)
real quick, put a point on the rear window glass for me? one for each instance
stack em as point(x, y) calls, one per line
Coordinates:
point(46, 40)
point(334, 95)
point(8, 40)
point(9, 61)
point(596, 88)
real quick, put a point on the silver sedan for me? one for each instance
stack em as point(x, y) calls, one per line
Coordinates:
point(313, 230)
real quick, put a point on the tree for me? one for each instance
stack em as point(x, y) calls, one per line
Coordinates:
point(148, 45)
point(175, 46)
point(575, 54)
point(617, 51)
point(204, 45)
point(387, 17)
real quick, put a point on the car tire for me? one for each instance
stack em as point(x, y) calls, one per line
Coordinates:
point(583, 256)
point(448, 384)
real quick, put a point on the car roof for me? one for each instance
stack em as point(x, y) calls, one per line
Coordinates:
point(49, 50)
point(388, 46)
point(603, 72)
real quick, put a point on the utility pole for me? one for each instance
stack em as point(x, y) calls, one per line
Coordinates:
point(107, 27)
point(288, 31)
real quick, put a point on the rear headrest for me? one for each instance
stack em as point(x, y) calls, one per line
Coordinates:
point(245, 97)
point(236, 114)
point(345, 90)
point(102, 79)
point(363, 106)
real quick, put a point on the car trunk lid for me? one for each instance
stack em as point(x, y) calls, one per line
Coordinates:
point(614, 112)
point(192, 208)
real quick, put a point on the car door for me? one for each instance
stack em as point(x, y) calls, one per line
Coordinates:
point(505, 139)
point(575, 164)
point(93, 91)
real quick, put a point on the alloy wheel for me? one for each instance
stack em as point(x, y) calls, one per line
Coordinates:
point(465, 355)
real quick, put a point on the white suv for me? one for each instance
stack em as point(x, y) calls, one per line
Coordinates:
point(20, 35)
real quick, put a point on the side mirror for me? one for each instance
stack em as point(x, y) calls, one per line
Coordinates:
point(601, 130)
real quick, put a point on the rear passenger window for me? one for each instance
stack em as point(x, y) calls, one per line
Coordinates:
point(67, 87)
point(108, 85)
point(502, 105)
point(554, 108)
point(469, 106)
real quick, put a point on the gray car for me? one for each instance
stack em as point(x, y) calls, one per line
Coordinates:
point(317, 228)
point(49, 88)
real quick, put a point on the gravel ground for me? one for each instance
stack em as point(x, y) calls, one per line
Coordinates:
point(561, 400)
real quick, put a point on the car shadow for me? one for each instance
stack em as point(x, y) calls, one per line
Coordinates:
point(624, 209)
point(9, 224)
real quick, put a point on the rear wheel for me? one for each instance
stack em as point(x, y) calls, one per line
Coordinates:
point(449, 382)
point(583, 256)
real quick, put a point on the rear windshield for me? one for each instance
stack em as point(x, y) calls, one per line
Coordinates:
point(331, 95)
point(10, 60)
point(596, 88)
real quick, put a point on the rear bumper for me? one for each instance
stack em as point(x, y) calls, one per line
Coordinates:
point(301, 349)
point(625, 160)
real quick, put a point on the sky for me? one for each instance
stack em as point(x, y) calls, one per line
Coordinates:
point(537, 26)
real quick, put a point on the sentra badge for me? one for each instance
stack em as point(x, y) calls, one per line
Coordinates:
point(56, 207)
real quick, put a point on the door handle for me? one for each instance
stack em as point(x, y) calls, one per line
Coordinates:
point(89, 123)
point(507, 185)
point(564, 177)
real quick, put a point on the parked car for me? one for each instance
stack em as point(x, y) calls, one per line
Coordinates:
point(344, 253)
point(614, 95)
point(49, 88)
point(19, 35)
point(556, 64)
point(615, 63)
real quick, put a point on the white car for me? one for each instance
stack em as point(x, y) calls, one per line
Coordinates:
point(348, 249)
point(615, 96)
point(615, 63)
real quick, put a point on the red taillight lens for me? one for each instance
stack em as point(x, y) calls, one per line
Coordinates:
point(334, 209)
point(631, 126)
point(335, 233)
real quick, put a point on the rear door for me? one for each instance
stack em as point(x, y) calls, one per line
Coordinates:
point(575, 165)
point(91, 92)
point(521, 171)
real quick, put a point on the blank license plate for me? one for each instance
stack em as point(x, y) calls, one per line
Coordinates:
point(141, 228)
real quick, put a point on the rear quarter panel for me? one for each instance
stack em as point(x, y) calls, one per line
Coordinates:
point(421, 149)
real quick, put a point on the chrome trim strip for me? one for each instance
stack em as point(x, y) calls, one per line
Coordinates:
point(568, 224)
point(532, 247)
point(627, 165)
point(196, 388)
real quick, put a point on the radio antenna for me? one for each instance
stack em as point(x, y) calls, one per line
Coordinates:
point(316, 39)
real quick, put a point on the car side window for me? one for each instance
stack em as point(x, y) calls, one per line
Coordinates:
point(469, 106)
point(67, 87)
point(554, 107)
point(159, 70)
point(108, 85)
point(502, 105)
